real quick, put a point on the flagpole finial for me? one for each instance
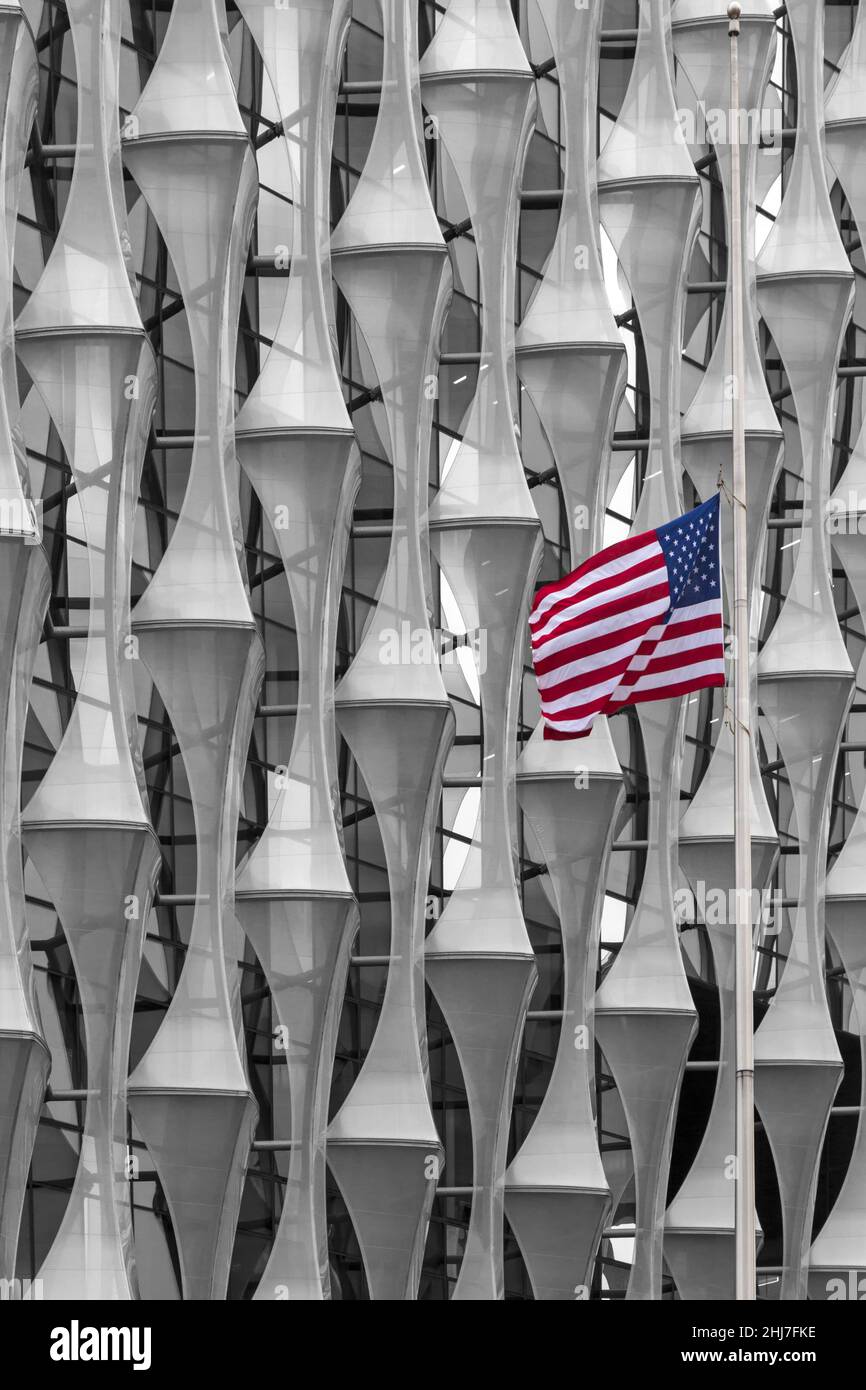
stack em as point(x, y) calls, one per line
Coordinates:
point(734, 12)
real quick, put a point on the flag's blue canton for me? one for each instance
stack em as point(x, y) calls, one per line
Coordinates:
point(691, 549)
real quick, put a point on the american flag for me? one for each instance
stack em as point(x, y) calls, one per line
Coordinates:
point(641, 620)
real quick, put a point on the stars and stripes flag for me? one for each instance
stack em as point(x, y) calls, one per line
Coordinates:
point(641, 620)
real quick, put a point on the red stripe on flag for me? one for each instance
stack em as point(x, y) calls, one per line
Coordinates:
point(690, 656)
point(652, 565)
point(613, 608)
point(604, 557)
point(669, 692)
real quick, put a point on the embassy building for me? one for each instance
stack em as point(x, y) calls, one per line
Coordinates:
point(332, 329)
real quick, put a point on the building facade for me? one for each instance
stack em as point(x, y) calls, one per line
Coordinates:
point(332, 329)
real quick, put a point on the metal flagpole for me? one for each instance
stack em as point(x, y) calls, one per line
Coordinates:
point(745, 1125)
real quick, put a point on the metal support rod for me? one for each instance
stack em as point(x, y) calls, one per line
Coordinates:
point(745, 1129)
point(629, 446)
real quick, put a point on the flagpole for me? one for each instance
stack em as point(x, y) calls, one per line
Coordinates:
point(745, 1125)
